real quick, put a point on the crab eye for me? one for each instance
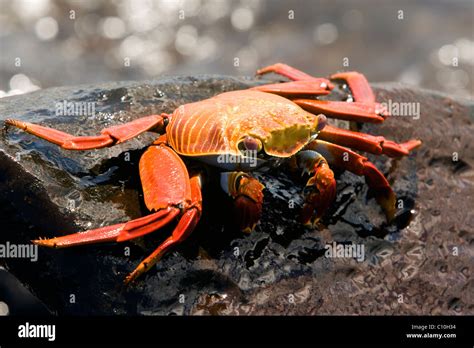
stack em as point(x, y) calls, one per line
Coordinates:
point(322, 122)
point(251, 144)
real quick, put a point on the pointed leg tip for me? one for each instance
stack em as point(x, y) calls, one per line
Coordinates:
point(137, 272)
point(305, 217)
point(129, 280)
point(403, 149)
point(390, 215)
point(249, 229)
point(387, 201)
point(262, 71)
point(412, 144)
point(311, 223)
point(49, 243)
point(312, 220)
point(15, 123)
point(381, 110)
point(311, 214)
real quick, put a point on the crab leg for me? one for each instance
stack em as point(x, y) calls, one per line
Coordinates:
point(109, 136)
point(315, 86)
point(113, 233)
point(363, 109)
point(345, 158)
point(248, 198)
point(360, 88)
point(185, 226)
point(167, 189)
point(366, 142)
point(321, 185)
point(285, 70)
point(354, 111)
point(302, 84)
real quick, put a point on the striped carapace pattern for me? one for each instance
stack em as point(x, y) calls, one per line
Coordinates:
point(217, 125)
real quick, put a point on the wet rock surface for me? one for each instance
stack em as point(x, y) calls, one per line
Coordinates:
point(419, 264)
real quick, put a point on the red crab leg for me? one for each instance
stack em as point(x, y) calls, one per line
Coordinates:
point(345, 158)
point(166, 188)
point(109, 136)
point(366, 142)
point(360, 88)
point(321, 185)
point(285, 70)
point(165, 184)
point(303, 84)
point(186, 225)
point(364, 109)
point(248, 198)
point(315, 86)
point(113, 233)
point(355, 111)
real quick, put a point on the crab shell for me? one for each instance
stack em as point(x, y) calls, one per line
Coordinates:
point(217, 126)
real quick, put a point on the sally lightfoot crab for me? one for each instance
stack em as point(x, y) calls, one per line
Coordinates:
point(257, 128)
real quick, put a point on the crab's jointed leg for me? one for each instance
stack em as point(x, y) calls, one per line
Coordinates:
point(316, 86)
point(347, 159)
point(362, 109)
point(109, 136)
point(168, 190)
point(248, 198)
point(285, 70)
point(321, 185)
point(358, 84)
point(366, 142)
point(185, 226)
point(302, 84)
point(114, 233)
point(355, 111)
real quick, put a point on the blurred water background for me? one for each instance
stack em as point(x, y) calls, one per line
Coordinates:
point(44, 43)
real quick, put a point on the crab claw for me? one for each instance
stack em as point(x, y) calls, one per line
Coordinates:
point(248, 198)
point(345, 158)
point(248, 203)
point(322, 191)
point(247, 212)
